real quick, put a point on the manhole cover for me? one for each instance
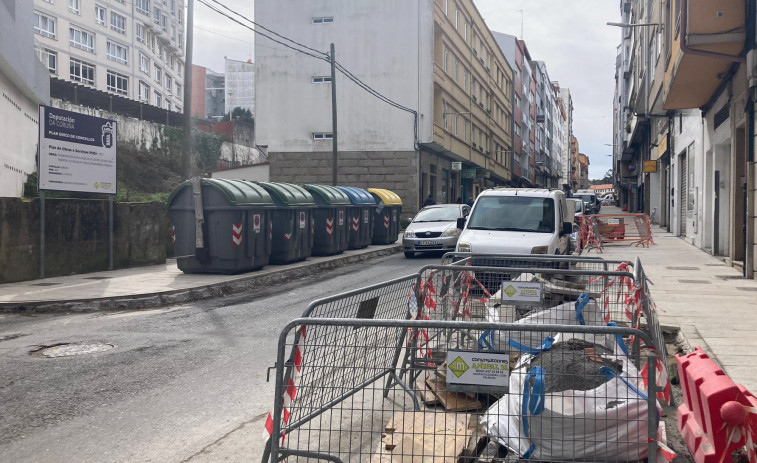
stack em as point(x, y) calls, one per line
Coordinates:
point(682, 268)
point(730, 277)
point(45, 284)
point(746, 288)
point(698, 282)
point(71, 349)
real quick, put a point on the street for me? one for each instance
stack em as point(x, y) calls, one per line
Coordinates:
point(180, 384)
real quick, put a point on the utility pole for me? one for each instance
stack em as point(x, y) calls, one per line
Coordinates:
point(187, 144)
point(333, 118)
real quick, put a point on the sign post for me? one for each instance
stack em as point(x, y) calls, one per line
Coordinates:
point(77, 153)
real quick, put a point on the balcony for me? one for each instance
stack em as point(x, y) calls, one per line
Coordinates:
point(692, 77)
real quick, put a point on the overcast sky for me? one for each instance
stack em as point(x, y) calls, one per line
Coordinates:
point(571, 37)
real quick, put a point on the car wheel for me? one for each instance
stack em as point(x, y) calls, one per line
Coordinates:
point(409, 254)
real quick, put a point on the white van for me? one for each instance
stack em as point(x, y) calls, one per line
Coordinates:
point(517, 221)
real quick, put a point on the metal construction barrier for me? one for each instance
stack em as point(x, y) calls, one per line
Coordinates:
point(616, 228)
point(578, 397)
point(531, 260)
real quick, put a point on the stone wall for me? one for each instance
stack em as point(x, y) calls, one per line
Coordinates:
point(393, 170)
point(76, 236)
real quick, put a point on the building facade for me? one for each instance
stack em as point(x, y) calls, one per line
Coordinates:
point(208, 93)
point(24, 84)
point(437, 59)
point(239, 82)
point(134, 49)
point(566, 101)
point(685, 129)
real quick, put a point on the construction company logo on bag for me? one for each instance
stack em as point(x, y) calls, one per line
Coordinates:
point(521, 291)
point(341, 217)
point(302, 219)
point(477, 371)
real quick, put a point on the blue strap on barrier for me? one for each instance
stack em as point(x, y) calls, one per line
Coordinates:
point(619, 340)
point(543, 347)
point(533, 401)
point(583, 299)
point(610, 373)
point(486, 340)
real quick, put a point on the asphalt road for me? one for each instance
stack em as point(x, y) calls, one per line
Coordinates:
point(180, 384)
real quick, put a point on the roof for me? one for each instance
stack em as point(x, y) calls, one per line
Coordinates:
point(538, 192)
point(604, 186)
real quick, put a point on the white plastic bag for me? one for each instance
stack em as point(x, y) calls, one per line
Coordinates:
point(608, 423)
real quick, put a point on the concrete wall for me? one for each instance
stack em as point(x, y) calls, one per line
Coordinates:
point(387, 44)
point(258, 172)
point(76, 237)
point(396, 171)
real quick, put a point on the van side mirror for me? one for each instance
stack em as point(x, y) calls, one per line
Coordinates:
point(567, 228)
point(461, 222)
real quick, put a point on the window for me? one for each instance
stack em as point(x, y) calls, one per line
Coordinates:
point(329, 19)
point(143, 6)
point(173, 7)
point(173, 32)
point(178, 90)
point(446, 60)
point(45, 25)
point(81, 71)
point(158, 73)
point(167, 104)
point(457, 70)
point(181, 39)
point(321, 79)
point(99, 15)
point(465, 31)
point(140, 33)
point(181, 70)
point(49, 58)
point(181, 16)
point(118, 23)
point(156, 15)
point(118, 83)
point(323, 136)
point(163, 20)
point(81, 39)
point(445, 115)
point(158, 99)
point(446, 7)
point(144, 92)
point(73, 6)
point(117, 53)
point(144, 63)
point(457, 18)
point(465, 80)
point(169, 83)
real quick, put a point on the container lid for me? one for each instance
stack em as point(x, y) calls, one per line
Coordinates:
point(324, 194)
point(235, 192)
point(358, 196)
point(389, 198)
point(288, 195)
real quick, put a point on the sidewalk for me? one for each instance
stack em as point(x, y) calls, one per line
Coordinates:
point(157, 285)
point(714, 306)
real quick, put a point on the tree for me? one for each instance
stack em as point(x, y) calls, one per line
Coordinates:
point(239, 114)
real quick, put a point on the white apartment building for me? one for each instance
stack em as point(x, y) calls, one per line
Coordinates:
point(131, 48)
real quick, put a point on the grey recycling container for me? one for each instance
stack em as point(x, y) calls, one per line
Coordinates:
point(235, 230)
point(332, 232)
point(293, 222)
point(386, 225)
point(359, 216)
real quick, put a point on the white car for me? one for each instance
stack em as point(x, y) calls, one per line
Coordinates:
point(518, 221)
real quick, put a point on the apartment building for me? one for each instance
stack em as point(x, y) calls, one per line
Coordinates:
point(208, 93)
point(24, 85)
point(685, 128)
point(453, 136)
point(566, 102)
point(130, 48)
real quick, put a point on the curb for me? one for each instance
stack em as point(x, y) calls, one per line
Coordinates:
point(180, 296)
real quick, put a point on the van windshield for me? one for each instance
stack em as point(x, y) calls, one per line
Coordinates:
point(513, 213)
point(591, 199)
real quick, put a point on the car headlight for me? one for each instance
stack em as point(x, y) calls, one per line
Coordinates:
point(451, 232)
point(409, 234)
point(539, 250)
point(462, 246)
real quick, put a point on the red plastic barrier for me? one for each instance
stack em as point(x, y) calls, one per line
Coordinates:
point(706, 389)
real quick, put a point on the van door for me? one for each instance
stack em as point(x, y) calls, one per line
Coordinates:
point(563, 242)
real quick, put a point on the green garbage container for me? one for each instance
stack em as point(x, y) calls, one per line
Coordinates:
point(236, 216)
point(386, 225)
point(359, 216)
point(293, 222)
point(332, 231)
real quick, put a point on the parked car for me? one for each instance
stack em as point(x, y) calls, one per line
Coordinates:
point(590, 197)
point(517, 221)
point(434, 228)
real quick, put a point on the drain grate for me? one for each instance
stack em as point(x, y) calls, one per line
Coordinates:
point(682, 268)
point(697, 282)
point(98, 278)
point(730, 277)
point(746, 288)
point(44, 284)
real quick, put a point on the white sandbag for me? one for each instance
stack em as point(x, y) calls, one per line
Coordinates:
point(607, 423)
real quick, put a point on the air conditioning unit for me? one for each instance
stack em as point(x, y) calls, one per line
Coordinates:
point(481, 148)
point(474, 98)
point(481, 60)
point(475, 53)
point(488, 153)
point(474, 145)
point(481, 103)
point(488, 70)
point(488, 111)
